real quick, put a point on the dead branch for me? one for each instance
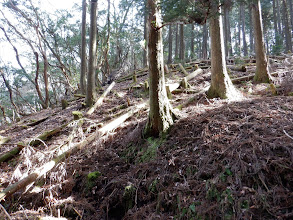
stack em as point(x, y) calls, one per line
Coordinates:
point(100, 100)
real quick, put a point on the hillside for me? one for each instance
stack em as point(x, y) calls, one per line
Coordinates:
point(220, 160)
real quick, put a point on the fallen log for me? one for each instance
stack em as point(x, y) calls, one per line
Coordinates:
point(43, 137)
point(240, 68)
point(248, 77)
point(46, 135)
point(10, 154)
point(44, 169)
point(101, 99)
point(183, 70)
point(139, 73)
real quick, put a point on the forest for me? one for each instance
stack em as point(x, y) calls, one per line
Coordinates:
point(146, 109)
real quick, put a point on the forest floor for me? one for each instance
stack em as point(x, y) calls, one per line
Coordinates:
point(220, 160)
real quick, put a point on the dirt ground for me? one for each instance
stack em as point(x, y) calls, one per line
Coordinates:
point(220, 159)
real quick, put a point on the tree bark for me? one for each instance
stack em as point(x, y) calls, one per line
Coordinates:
point(182, 44)
point(90, 94)
point(177, 42)
point(205, 42)
point(161, 114)
point(170, 41)
point(262, 71)
point(251, 46)
point(242, 12)
point(145, 36)
point(221, 85)
point(192, 42)
point(287, 28)
point(83, 49)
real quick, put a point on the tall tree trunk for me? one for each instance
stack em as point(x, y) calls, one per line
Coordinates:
point(262, 71)
point(287, 28)
point(275, 21)
point(242, 12)
point(192, 42)
point(177, 42)
point(239, 33)
point(221, 85)
point(279, 17)
point(90, 94)
point(291, 12)
point(83, 49)
point(227, 28)
point(251, 46)
point(145, 36)
point(182, 45)
point(170, 41)
point(205, 42)
point(161, 114)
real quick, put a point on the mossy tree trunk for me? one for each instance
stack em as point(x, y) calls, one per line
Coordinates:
point(262, 71)
point(221, 85)
point(161, 113)
point(90, 93)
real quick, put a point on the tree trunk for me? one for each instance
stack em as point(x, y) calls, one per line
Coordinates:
point(145, 36)
point(192, 42)
point(227, 31)
point(221, 85)
point(161, 114)
point(205, 42)
point(182, 45)
point(90, 94)
point(9, 90)
point(291, 12)
point(177, 42)
point(170, 40)
point(242, 12)
point(251, 46)
point(83, 49)
point(287, 28)
point(262, 72)
point(279, 17)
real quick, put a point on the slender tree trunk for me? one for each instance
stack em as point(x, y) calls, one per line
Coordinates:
point(170, 41)
point(227, 29)
point(90, 94)
point(145, 36)
point(291, 12)
point(239, 33)
point(221, 85)
point(245, 50)
point(83, 49)
point(161, 114)
point(177, 42)
point(275, 21)
point(182, 45)
point(192, 42)
point(287, 28)
point(279, 17)
point(9, 90)
point(205, 42)
point(262, 72)
point(251, 46)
